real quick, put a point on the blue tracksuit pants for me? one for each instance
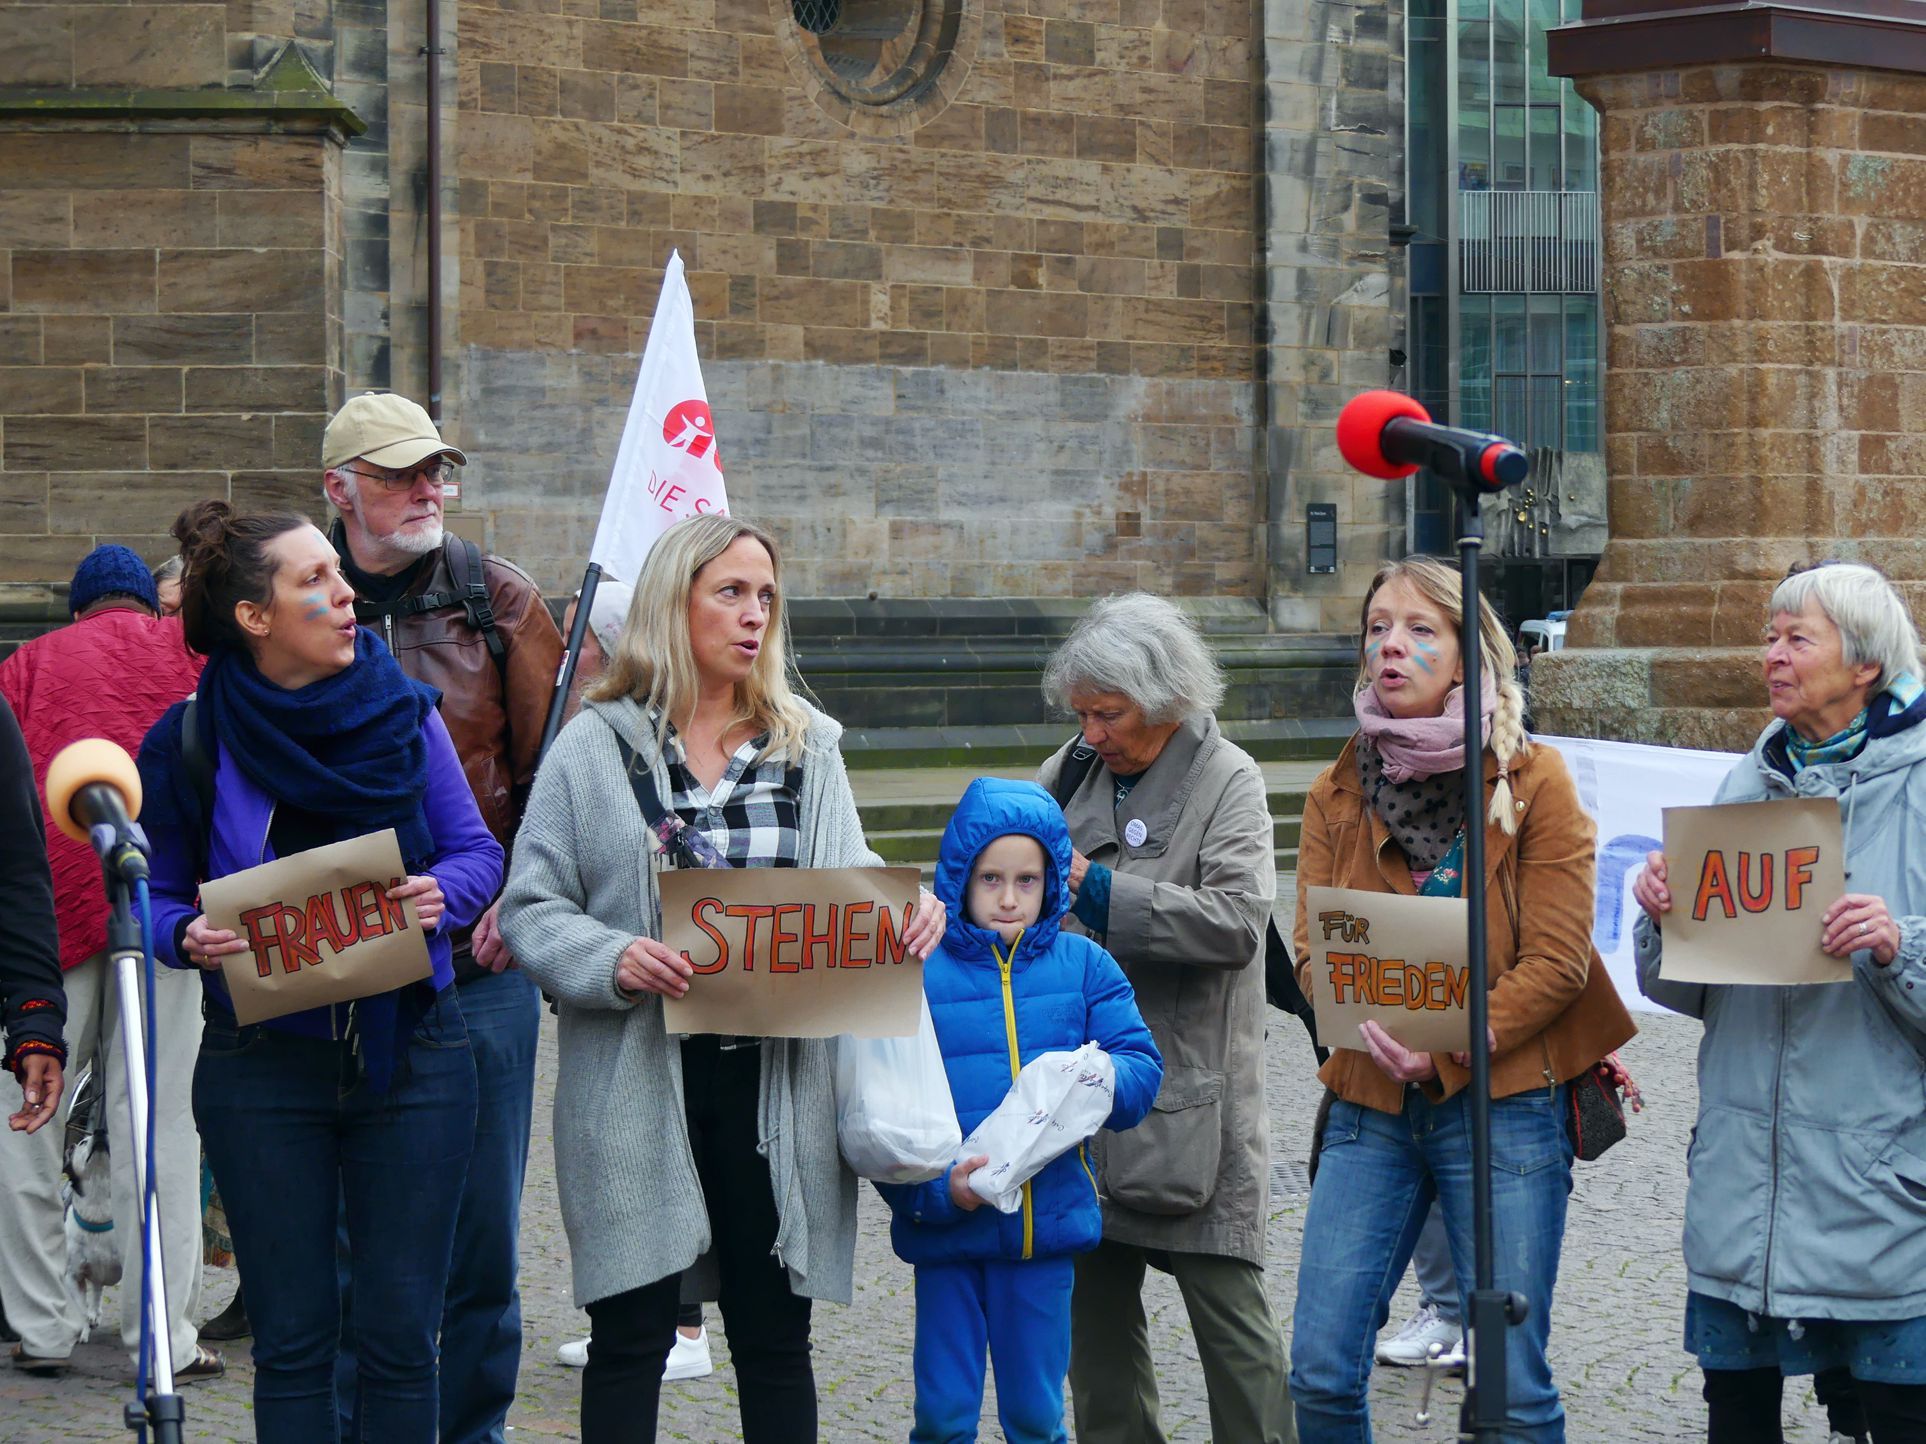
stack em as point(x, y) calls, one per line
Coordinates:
point(1020, 1313)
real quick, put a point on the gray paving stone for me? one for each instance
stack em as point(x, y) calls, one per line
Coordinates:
point(1615, 1344)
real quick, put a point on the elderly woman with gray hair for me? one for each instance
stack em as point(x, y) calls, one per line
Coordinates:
point(1805, 1210)
point(1174, 873)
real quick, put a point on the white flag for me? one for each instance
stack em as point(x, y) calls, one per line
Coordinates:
point(667, 467)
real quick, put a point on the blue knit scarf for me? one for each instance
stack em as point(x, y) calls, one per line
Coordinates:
point(347, 749)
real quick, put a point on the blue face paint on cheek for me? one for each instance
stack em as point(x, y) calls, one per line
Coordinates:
point(1425, 657)
point(1371, 651)
point(316, 607)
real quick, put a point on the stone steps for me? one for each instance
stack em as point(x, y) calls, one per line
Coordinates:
point(901, 663)
point(905, 811)
point(1024, 746)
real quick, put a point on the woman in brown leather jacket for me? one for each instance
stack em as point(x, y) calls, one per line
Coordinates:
point(1388, 817)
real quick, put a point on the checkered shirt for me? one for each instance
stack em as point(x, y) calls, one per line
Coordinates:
point(751, 814)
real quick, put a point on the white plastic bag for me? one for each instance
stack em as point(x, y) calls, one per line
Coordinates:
point(1057, 1101)
point(895, 1119)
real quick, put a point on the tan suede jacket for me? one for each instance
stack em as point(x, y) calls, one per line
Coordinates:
point(1553, 1006)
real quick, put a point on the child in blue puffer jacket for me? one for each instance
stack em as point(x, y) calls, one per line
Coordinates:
point(1005, 986)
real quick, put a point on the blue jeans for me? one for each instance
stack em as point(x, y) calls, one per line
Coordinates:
point(1017, 1311)
point(292, 1131)
point(1376, 1180)
point(481, 1323)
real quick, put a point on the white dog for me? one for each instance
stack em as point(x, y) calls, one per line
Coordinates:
point(93, 1251)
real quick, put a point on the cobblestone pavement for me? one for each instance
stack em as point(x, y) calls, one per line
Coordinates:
point(1616, 1350)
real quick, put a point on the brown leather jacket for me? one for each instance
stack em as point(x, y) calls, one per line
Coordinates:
point(1553, 1005)
point(494, 714)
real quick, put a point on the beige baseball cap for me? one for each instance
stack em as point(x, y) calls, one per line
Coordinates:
point(385, 429)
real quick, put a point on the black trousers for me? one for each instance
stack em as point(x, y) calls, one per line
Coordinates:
point(1742, 1407)
point(767, 1325)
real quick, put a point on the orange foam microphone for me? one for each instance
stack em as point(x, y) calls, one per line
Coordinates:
point(93, 795)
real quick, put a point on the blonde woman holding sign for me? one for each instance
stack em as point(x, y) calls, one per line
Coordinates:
point(308, 733)
point(1387, 817)
point(664, 1146)
point(1805, 1214)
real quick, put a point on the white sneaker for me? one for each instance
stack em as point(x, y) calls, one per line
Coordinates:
point(689, 1358)
point(1411, 1345)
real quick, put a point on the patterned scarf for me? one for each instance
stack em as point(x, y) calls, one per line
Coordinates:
point(1894, 709)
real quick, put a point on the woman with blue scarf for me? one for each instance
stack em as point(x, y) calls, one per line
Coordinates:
point(312, 734)
point(1805, 1210)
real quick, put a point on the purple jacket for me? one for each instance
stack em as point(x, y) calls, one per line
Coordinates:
point(467, 862)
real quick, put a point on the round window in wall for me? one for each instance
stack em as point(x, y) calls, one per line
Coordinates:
point(878, 53)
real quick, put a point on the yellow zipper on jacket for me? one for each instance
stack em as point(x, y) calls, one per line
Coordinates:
point(1003, 965)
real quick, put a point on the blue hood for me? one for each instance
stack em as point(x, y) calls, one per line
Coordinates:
point(994, 807)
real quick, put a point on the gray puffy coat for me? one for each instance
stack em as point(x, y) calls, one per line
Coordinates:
point(1807, 1170)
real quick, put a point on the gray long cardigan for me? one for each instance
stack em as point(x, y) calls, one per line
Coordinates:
point(1188, 910)
point(581, 889)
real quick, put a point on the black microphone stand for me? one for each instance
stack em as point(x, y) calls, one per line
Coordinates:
point(123, 862)
point(1482, 1416)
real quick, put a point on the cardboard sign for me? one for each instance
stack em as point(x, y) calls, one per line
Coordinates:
point(784, 952)
point(319, 928)
point(1397, 961)
point(1749, 882)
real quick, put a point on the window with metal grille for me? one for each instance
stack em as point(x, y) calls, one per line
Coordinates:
point(818, 17)
point(877, 52)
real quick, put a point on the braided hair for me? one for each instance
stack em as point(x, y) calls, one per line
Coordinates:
point(1437, 582)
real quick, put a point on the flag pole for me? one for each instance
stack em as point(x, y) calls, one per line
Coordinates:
point(559, 702)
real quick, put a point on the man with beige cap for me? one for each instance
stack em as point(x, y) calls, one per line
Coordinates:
point(474, 626)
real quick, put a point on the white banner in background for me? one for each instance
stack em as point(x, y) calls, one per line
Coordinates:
point(667, 467)
point(1626, 786)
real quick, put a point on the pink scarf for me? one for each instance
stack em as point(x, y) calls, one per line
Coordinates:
point(1421, 746)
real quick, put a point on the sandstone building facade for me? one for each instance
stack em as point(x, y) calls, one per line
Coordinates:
point(995, 299)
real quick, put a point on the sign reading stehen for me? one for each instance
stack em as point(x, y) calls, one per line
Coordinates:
point(793, 952)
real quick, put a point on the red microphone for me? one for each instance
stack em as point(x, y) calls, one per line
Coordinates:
point(1388, 435)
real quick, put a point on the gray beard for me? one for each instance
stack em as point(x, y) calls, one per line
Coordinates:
point(415, 541)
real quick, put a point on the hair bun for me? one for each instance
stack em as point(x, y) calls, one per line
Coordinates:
point(202, 529)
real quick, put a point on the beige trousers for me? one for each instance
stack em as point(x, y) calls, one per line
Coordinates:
point(33, 1241)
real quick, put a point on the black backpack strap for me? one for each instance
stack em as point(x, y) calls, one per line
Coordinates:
point(1076, 767)
point(470, 594)
point(642, 784)
point(197, 761)
point(195, 758)
point(471, 587)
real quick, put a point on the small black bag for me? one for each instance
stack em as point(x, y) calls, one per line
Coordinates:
point(1594, 1111)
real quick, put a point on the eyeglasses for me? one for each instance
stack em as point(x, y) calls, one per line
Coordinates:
point(438, 469)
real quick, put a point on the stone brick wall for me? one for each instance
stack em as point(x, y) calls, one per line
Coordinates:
point(169, 259)
point(903, 481)
point(1765, 293)
point(1071, 210)
point(1334, 162)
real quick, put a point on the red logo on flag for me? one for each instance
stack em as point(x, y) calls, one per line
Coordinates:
point(689, 427)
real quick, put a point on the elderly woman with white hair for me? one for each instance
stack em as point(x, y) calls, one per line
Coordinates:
point(1805, 1213)
point(1174, 873)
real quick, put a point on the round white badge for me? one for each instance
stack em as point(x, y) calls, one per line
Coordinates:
point(1135, 832)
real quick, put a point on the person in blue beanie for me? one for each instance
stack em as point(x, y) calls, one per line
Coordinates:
point(1004, 986)
point(112, 571)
